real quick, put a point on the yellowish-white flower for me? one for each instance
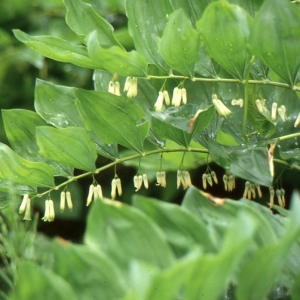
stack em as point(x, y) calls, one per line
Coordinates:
point(161, 178)
point(159, 102)
point(204, 181)
point(220, 107)
point(259, 105)
point(69, 201)
point(282, 192)
point(214, 176)
point(98, 192)
point(111, 87)
point(297, 120)
point(258, 190)
point(247, 191)
point(137, 182)
point(145, 181)
point(184, 178)
point(62, 201)
point(90, 195)
point(116, 187)
point(26, 206)
point(184, 96)
point(23, 204)
point(282, 112)
point(131, 87)
point(225, 180)
point(176, 99)
point(49, 211)
point(114, 88)
point(166, 97)
point(252, 189)
point(273, 111)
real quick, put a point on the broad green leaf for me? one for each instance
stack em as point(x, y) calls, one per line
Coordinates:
point(182, 230)
point(278, 46)
point(57, 49)
point(56, 104)
point(249, 162)
point(72, 146)
point(116, 59)
point(225, 30)
point(113, 118)
point(6, 186)
point(19, 170)
point(20, 130)
point(82, 19)
point(102, 279)
point(179, 44)
point(36, 282)
point(147, 20)
point(113, 226)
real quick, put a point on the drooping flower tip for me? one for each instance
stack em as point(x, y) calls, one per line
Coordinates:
point(220, 107)
point(161, 178)
point(131, 87)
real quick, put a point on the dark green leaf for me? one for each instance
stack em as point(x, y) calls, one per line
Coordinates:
point(116, 59)
point(82, 19)
point(225, 30)
point(278, 45)
point(113, 118)
point(180, 44)
point(147, 20)
point(248, 162)
point(20, 130)
point(19, 170)
point(72, 146)
point(56, 104)
point(113, 226)
point(57, 49)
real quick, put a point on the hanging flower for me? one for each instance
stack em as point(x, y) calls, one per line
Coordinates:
point(26, 206)
point(161, 178)
point(159, 102)
point(282, 112)
point(116, 187)
point(62, 201)
point(131, 87)
point(297, 120)
point(273, 111)
point(220, 107)
point(49, 211)
point(69, 201)
point(184, 178)
point(114, 88)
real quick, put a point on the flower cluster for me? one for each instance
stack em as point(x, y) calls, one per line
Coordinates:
point(116, 187)
point(162, 96)
point(280, 193)
point(178, 96)
point(114, 88)
point(184, 178)
point(281, 112)
point(261, 105)
point(220, 107)
point(161, 178)
point(63, 196)
point(209, 177)
point(138, 181)
point(94, 191)
point(229, 181)
point(250, 192)
point(131, 87)
point(239, 102)
point(26, 206)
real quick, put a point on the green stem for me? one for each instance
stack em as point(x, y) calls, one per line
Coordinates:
point(121, 160)
point(246, 100)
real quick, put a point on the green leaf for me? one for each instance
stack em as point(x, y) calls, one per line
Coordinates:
point(116, 59)
point(102, 279)
point(225, 30)
point(20, 128)
point(56, 104)
point(182, 230)
point(278, 45)
point(57, 49)
point(72, 146)
point(180, 44)
point(36, 282)
point(82, 19)
point(113, 118)
point(248, 162)
point(19, 170)
point(146, 22)
point(112, 226)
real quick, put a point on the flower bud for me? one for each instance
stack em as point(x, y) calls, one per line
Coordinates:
point(258, 190)
point(272, 194)
point(184, 96)
point(247, 190)
point(209, 180)
point(220, 107)
point(166, 97)
point(274, 109)
point(259, 105)
point(69, 201)
point(145, 180)
point(62, 201)
point(297, 120)
point(137, 181)
point(214, 177)
point(204, 182)
point(225, 180)
point(186, 179)
point(159, 102)
point(281, 111)
point(23, 203)
point(90, 195)
point(27, 215)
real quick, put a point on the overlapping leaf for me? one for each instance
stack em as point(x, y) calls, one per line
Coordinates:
point(225, 30)
point(278, 45)
point(114, 119)
point(57, 49)
point(72, 146)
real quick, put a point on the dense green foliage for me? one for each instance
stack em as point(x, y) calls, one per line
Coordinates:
point(207, 81)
